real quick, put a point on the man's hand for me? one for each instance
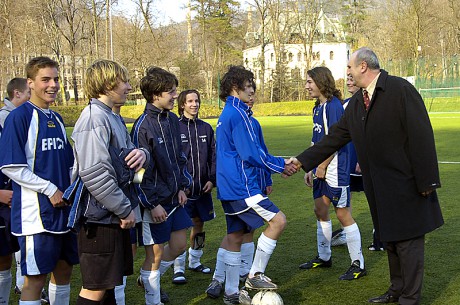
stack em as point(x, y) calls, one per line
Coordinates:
point(268, 190)
point(56, 200)
point(5, 196)
point(158, 214)
point(308, 179)
point(128, 222)
point(290, 168)
point(136, 159)
point(296, 162)
point(182, 198)
point(208, 187)
point(358, 169)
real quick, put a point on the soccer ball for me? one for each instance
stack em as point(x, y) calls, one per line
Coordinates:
point(267, 297)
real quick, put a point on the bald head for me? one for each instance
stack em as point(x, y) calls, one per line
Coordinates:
point(363, 67)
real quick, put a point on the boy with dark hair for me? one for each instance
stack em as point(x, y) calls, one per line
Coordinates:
point(38, 160)
point(165, 181)
point(199, 147)
point(104, 243)
point(239, 156)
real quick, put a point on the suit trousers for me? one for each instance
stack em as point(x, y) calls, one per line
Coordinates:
point(406, 262)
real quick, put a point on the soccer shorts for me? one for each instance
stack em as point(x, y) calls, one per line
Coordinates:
point(159, 233)
point(249, 214)
point(339, 196)
point(201, 207)
point(41, 252)
point(105, 255)
point(136, 235)
point(8, 242)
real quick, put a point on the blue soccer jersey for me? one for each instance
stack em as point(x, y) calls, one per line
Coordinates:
point(324, 116)
point(37, 140)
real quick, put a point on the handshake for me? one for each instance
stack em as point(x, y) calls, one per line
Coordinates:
point(291, 166)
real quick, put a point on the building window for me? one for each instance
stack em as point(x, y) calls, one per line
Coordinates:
point(290, 56)
point(272, 57)
point(331, 55)
point(299, 56)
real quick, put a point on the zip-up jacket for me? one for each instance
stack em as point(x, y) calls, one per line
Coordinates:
point(199, 146)
point(158, 131)
point(265, 177)
point(239, 154)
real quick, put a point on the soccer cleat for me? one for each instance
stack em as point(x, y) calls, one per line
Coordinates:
point(354, 272)
point(179, 278)
point(214, 289)
point(244, 298)
point(232, 299)
point(339, 239)
point(316, 263)
point(243, 278)
point(139, 282)
point(44, 297)
point(17, 290)
point(260, 282)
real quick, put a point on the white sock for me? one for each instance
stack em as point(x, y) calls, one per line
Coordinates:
point(247, 256)
point(323, 238)
point(37, 302)
point(59, 294)
point(265, 248)
point(179, 263)
point(120, 292)
point(164, 266)
point(19, 276)
point(5, 286)
point(219, 272)
point(194, 257)
point(151, 280)
point(232, 271)
point(354, 243)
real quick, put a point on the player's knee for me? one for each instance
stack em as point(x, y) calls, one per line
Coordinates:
point(279, 221)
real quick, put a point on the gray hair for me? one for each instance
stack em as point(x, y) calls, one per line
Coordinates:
point(367, 55)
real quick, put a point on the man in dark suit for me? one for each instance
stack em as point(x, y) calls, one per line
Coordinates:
point(396, 151)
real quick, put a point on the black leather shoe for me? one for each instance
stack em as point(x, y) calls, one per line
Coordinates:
point(384, 299)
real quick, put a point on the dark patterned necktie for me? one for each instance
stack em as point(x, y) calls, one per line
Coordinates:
point(367, 101)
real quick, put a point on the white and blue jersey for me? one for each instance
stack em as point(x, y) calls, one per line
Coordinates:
point(324, 116)
point(239, 154)
point(35, 139)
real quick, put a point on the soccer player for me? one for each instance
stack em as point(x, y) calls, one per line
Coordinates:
point(18, 93)
point(104, 243)
point(331, 182)
point(239, 156)
point(199, 147)
point(37, 156)
point(165, 181)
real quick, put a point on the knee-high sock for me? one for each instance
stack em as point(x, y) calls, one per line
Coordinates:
point(179, 263)
point(164, 266)
point(5, 286)
point(323, 238)
point(219, 272)
point(19, 276)
point(194, 257)
point(232, 271)
point(120, 292)
point(247, 257)
point(354, 243)
point(36, 302)
point(151, 280)
point(265, 248)
point(59, 294)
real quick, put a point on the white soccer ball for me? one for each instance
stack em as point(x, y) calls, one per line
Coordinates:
point(267, 297)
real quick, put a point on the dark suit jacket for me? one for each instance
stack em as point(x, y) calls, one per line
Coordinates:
point(396, 151)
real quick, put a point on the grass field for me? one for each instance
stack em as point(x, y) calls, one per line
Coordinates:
point(288, 136)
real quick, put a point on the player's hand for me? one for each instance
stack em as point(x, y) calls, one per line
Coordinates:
point(268, 190)
point(208, 187)
point(358, 169)
point(5, 196)
point(321, 172)
point(128, 222)
point(158, 214)
point(136, 159)
point(182, 198)
point(56, 200)
point(289, 168)
point(308, 179)
point(296, 162)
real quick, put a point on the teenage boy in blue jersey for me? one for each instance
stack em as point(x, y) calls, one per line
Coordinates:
point(239, 156)
point(38, 159)
point(199, 147)
point(163, 189)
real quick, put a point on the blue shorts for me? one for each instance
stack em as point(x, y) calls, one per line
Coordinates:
point(8, 242)
point(159, 233)
point(248, 216)
point(201, 207)
point(136, 235)
point(41, 252)
point(339, 196)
